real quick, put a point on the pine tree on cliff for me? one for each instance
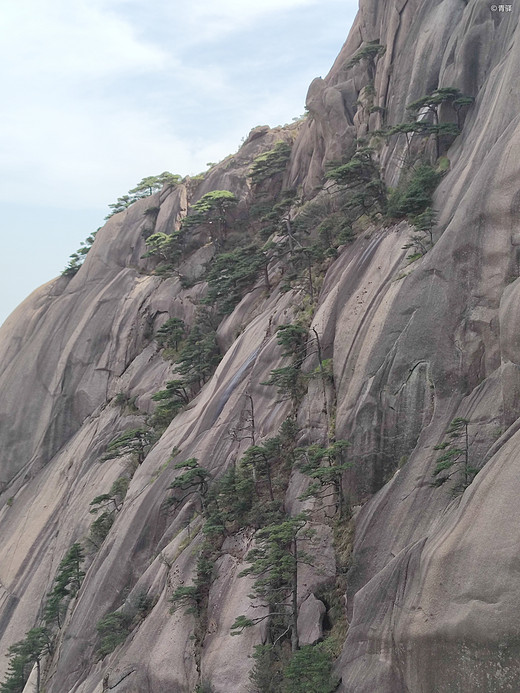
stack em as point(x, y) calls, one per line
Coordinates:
point(369, 55)
point(274, 563)
point(212, 210)
point(455, 460)
point(66, 584)
point(24, 655)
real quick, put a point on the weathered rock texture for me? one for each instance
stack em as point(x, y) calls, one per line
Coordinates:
point(434, 591)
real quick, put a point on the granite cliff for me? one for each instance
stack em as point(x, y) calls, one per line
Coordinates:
point(417, 585)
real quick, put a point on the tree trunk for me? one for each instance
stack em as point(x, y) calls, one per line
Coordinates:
point(466, 456)
point(269, 481)
point(322, 374)
point(294, 610)
point(252, 418)
point(289, 234)
point(311, 285)
point(38, 676)
point(266, 274)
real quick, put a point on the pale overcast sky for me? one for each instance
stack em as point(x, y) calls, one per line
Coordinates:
point(100, 93)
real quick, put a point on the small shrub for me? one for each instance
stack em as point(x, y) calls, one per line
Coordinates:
point(113, 630)
point(309, 671)
point(100, 528)
point(414, 195)
point(267, 672)
point(126, 402)
point(77, 258)
point(231, 275)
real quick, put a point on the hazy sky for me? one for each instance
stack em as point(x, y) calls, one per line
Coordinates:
point(100, 93)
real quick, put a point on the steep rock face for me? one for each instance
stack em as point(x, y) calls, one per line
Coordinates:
point(433, 589)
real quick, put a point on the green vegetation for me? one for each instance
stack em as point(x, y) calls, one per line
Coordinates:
point(292, 338)
point(166, 249)
point(289, 380)
point(247, 495)
point(274, 562)
point(231, 274)
point(66, 585)
point(422, 239)
point(325, 467)
point(113, 500)
point(171, 401)
point(200, 355)
point(368, 53)
point(147, 186)
point(213, 211)
point(171, 334)
point(310, 671)
point(429, 104)
point(192, 482)
point(113, 630)
point(267, 673)
point(289, 383)
point(23, 656)
point(260, 461)
point(271, 163)
point(195, 596)
point(135, 442)
point(108, 505)
point(359, 172)
point(100, 528)
point(197, 354)
point(455, 460)
point(251, 494)
point(126, 402)
point(362, 179)
point(412, 200)
point(414, 194)
point(39, 641)
point(77, 258)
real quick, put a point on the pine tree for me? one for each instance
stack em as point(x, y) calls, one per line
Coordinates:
point(212, 210)
point(199, 356)
point(171, 401)
point(193, 481)
point(325, 466)
point(66, 585)
point(171, 333)
point(274, 562)
point(309, 671)
point(113, 500)
point(23, 656)
point(261, 459)
point(369, 53)
point(135, 441)
point(455, 459)
point(270, 163)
